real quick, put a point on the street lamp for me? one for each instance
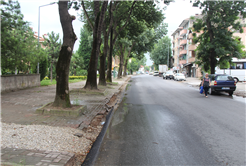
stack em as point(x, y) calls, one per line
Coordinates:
point(39, 27)
point(167, 54)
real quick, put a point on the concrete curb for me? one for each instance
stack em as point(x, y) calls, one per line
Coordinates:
point(92, 155)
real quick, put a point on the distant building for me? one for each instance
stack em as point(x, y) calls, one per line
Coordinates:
point(184, 51)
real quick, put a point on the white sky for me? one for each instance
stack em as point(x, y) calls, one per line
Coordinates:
point(175, 13)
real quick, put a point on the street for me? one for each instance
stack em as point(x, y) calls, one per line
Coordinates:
point(165, 122)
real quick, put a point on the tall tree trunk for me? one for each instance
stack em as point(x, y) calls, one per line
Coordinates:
point(125, 66)
point(51, 70)
point(109, 72)
point(211, 36)
point(127, 58)
point(121, 61)
point(62, 68)
point(102, 79)
point(91, 82)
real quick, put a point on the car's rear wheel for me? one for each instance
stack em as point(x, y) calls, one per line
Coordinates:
point(236, 79)
point(230, 93)
point(210, 91)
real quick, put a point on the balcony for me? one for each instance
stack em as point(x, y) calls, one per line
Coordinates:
point(183, 32)
point(190, 36)
point(192, 47)
point(192, 59)
point(183, 42)
point(182, 62)
point(183, 52)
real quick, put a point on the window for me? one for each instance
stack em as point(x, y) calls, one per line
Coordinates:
point(239, 66)
point(244, 65)
point(224, 78)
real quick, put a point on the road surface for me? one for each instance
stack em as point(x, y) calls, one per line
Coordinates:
point(165, 122)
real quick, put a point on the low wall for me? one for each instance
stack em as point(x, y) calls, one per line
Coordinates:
point(15, 82)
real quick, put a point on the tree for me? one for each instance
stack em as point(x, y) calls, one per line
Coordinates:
point(133, 65)
point(76, 65)
point(52, 47)
point(62, 98)
point(99, 12)
point(18, 44)
point(161, 51)
point(220, 20)
point(146, 68)
point(135, 21)
point(85, 46)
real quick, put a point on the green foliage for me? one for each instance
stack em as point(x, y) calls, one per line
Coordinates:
point(85, 47)
point(77, 65)
point(77, 77)
point(160, 52)
point(53, 45)
point(18, 44)
point(46, 82)
point(220, 20)
point(135, 64)
point(43, 65)
point(146, 68)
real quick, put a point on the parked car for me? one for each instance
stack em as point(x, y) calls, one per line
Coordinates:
point(156, 73)
point(221, 83)
point(179, 77)
point(168, 74)
point(151, 73)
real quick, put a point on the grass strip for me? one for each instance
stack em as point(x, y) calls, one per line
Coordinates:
point(48, 82)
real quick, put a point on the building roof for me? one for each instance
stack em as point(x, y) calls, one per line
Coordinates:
point(177, 30)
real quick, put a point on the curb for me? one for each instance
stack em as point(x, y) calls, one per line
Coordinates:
point(93, 153)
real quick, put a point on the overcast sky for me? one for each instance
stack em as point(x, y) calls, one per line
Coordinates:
point(175, 13)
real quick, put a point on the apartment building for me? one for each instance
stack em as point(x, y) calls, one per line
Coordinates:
point(184, 51)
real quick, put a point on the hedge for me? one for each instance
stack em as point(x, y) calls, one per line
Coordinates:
point(77, 77)
point(71, 77)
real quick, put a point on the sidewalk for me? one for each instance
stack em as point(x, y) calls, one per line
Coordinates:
point(240, 87)
point(33, 139)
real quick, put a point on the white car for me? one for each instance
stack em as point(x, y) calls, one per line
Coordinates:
point(179, 76)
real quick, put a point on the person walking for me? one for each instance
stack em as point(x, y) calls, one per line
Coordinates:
point(206, 84)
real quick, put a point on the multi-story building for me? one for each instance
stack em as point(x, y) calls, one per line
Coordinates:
point(184, 49)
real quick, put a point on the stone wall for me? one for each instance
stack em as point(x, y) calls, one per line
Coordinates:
point(15, 82)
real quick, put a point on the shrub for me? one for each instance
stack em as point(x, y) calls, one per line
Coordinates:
point(46, 78)
point(77, 77)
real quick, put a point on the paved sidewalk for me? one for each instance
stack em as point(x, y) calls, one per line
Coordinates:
point(20, 157)
point(19, 107)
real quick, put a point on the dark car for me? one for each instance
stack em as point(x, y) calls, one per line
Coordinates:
point(221, 83)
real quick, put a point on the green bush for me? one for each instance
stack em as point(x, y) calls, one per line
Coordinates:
point(81, 72)
point(77, 77)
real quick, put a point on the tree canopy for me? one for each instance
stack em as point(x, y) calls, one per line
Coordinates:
point(161, 51)
point(220, 19)
point(18, 44)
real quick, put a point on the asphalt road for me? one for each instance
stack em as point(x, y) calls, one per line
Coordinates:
point(164, 122)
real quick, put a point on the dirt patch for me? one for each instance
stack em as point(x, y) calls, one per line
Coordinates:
point(74, 110)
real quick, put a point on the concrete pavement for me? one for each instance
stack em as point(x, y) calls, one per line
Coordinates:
point(19, 107)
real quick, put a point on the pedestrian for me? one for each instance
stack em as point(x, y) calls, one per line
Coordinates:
point(206, 84)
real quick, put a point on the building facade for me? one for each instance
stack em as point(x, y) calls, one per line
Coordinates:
point(184, 49)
